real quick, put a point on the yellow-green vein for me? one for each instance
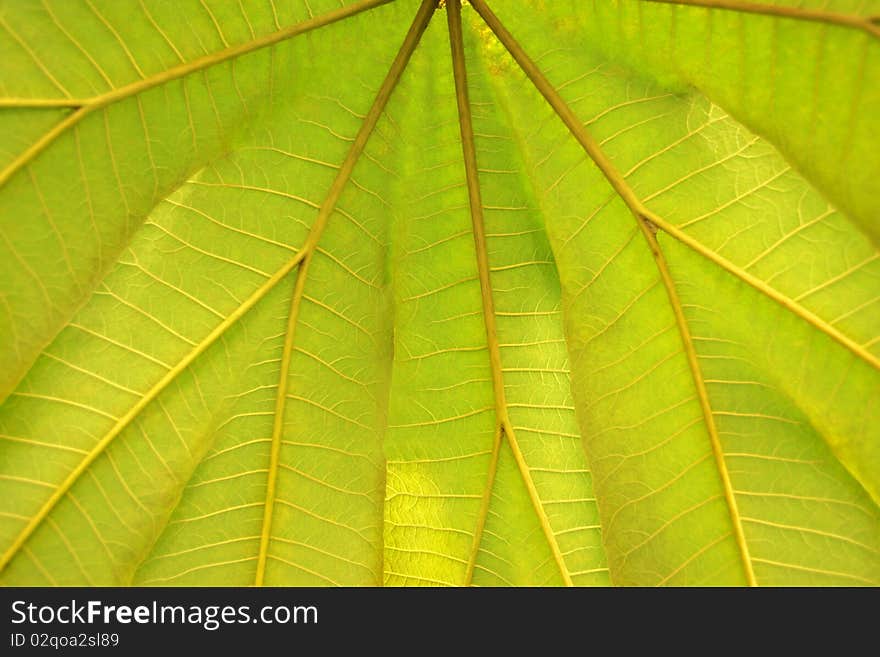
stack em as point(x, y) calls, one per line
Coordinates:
point(618, 182)
point(140, 405)
point(308, 247)
point(782, 11)
point(343, 175)
point(703, 396)
point(278, 421)
point(504, 427)
point(89, 105)
point(582, 135)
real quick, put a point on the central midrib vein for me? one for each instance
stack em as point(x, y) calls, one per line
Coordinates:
point(503, 428)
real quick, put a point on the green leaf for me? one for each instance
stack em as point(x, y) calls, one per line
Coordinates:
point(518, 293)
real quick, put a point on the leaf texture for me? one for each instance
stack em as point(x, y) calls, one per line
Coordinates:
point(514, 293)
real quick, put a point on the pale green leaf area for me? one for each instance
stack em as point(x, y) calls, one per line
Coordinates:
point(524, 292)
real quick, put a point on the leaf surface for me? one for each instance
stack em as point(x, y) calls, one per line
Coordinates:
point(518, 293)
